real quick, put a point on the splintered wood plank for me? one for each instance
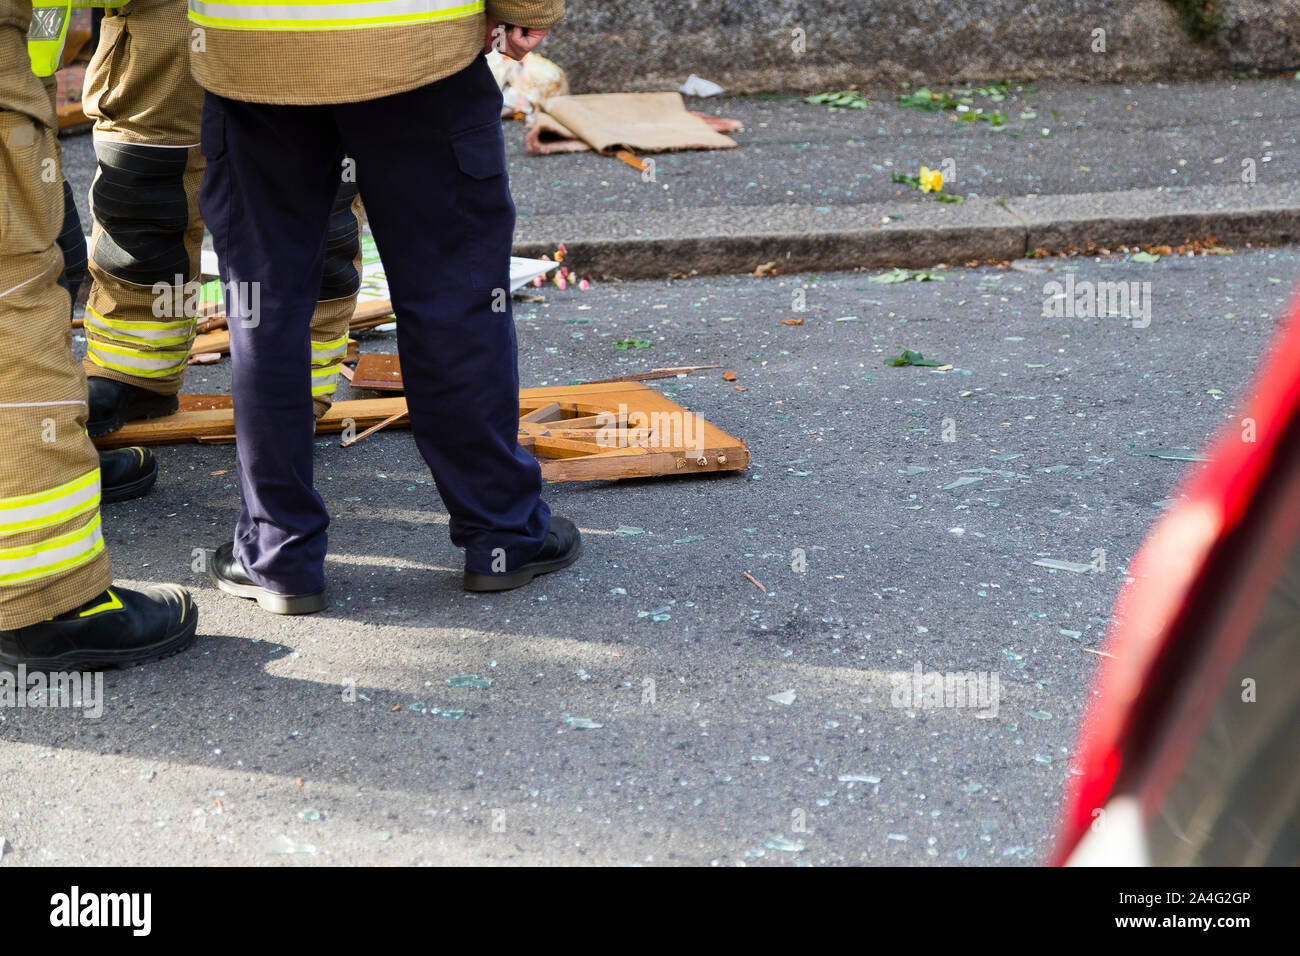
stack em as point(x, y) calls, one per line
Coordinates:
point(654, 373)
point(544, 415)
point(217, 342)
point(217, 421)
point(641, 448)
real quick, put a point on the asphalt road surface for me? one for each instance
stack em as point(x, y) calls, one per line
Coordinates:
point(323, 739)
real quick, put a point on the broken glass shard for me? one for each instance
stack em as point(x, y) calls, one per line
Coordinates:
point(282, 845)
point(1169, 454)
point(469, 680)
point(782, 844)
point(1063, 565)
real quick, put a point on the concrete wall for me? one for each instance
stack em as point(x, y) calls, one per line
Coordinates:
point(608, 45)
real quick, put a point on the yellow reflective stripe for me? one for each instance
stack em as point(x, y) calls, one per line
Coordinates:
point(325, 349)
point(130, 325)
point(48, 558)
point(129, 370)
point(314, 15)
point(41, 510)
point(135, 361)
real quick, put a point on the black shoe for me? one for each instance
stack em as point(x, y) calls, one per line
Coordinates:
point(563, 546)
point(126, 473)
point(114, 403)
point(229, 575)
point(118, 628)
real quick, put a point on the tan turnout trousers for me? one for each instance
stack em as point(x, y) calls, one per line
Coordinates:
point(147, 228)
point(52, 554)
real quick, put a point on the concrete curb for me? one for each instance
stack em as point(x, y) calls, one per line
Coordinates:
point(737, 239)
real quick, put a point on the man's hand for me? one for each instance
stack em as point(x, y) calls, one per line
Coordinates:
point(514, 42)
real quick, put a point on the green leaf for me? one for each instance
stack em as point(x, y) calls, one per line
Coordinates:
point(626, 344)
point(910, 357)
point(1144, 257)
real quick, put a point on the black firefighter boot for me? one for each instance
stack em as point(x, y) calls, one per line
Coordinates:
point(126, 473)
point(118, 628)
point(114, 403)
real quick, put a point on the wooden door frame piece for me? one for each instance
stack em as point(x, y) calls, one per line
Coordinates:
point(578, 432)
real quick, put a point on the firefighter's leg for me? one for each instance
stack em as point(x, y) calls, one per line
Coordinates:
point(56, 606)
point(52, 555)
point(72, 242)
point(338, 296)
point(147, 230)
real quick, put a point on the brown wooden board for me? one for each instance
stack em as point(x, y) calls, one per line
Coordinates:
point(70, 115)
point(378, 371)
point(594, 432)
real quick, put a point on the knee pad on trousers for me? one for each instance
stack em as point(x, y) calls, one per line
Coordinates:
point(138, 199)
point(73, 244)
point(342, 245)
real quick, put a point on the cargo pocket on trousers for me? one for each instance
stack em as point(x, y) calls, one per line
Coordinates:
point(212, 132)
point(485, 208)
point(481, 150)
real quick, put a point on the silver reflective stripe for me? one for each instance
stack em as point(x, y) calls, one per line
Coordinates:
point(166, 332)
point(330, 349)
point(55, 556)
point(326, 387)
point(375, 10)
point(40, 510)
point(47, 23)
point(131, 360)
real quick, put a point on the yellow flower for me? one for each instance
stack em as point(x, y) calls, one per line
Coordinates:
point(931, 180)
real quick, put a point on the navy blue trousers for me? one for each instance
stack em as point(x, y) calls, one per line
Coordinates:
point(431, 167)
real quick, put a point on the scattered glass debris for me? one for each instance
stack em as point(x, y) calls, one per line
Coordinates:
point(630, 531)
point(582, 723)
point(785, 697)
point(1169, 454)
point(782, 844)
point(469, 680)
point(283, 846)
point(310, 814)
point(1072, 566)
